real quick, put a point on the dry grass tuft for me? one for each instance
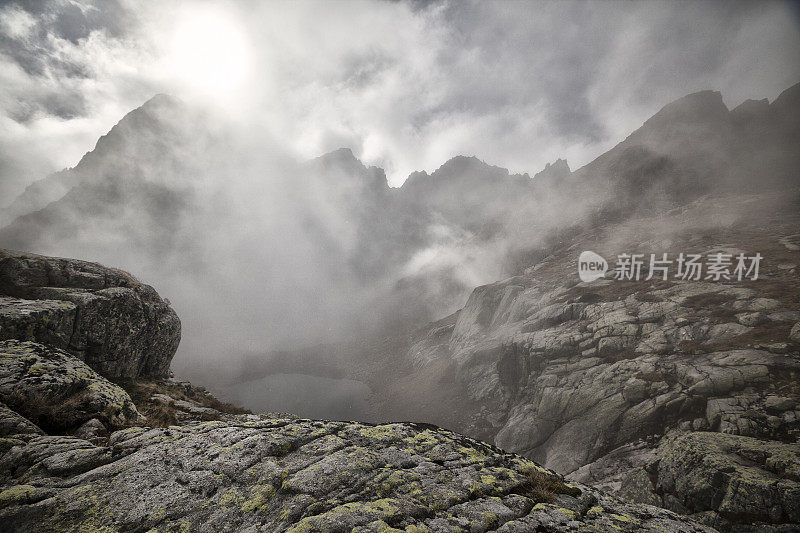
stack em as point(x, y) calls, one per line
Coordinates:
point(33, 407)
point(620, 355)
point(707, 299)
point(160, 414)
point(648, 297)
point(768, 333)
point(542, 487)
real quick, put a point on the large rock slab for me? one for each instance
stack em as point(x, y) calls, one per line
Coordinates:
point(58, 391)
point(257, 473)
point(731, 478)
point(117, 325)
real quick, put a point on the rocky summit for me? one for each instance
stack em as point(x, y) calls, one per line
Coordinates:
point(93, 437)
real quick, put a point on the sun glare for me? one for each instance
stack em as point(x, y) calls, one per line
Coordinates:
point(209, 53)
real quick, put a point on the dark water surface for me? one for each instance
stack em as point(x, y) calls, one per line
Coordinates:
point(303, 395)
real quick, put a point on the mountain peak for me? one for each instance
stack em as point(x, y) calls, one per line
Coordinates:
point(340, 154)
point(462, 165)
point(702, 106)
point(460, 161)
point(158, 107)
point(342, 162)
point(749, 106)
point(558, 169)
point(788, 103)
point(342, 159)
point(161, 99)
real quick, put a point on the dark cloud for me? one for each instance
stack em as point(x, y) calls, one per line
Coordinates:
point(38, 51)
point(70, 23)
point(73, 21)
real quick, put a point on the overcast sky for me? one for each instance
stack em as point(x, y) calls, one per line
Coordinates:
point(405, 85)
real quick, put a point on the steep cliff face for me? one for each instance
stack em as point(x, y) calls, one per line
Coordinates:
point(57, 391)
point(77, 455)
point(696, 146)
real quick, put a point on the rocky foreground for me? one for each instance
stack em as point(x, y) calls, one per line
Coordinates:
point(80, 452)
point(258, 473)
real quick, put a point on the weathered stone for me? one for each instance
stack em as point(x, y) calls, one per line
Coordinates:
point(12, 423)
point(92, 430)
point(256, 473)
point(752, 319)
point(119, 326)
point(732, 476)
point(757, 304)
point(779, 403)
point(57, 390)
point(637, 486)
point(794, 334)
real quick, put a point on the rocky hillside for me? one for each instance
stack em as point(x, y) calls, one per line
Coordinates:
point(675, 392)
point(680, 393)
point(151, 129)
point(79, 452)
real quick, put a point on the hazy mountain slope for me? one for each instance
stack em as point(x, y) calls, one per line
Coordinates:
point(467, 192)
point(418, 249)
point(145, 139)
point(592, 378)
point(433, 253)
point(184, 200)
point(694, 146)
point(118, 212)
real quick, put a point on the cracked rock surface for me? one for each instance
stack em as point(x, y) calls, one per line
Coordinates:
point(730, 478)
